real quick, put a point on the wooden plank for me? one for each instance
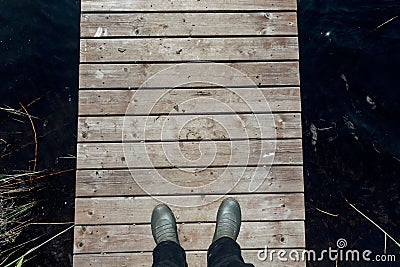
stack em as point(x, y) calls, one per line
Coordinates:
point(128, 210)
point(185, 5)
point(99, 183)
point(134, 75)
point(187, 154)
point(193, 258)
point(192, 101)
point(197, 236)
point(189, 127)
point(188, 24)
point(189, 49)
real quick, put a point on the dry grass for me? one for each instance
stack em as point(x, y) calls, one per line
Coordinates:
point(16, 204)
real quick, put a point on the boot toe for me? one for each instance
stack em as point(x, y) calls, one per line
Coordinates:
point(163, 224)
point(228, 219)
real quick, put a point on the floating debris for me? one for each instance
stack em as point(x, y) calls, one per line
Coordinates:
point(345, 80)
point(314, 134)
point(371, 102)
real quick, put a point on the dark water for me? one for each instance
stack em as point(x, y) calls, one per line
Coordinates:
point(350, 96)
point(39, 53)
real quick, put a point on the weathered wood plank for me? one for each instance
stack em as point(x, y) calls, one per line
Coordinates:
point(189, 127)
point(194, 259)
point(128, 210)
point(188, 24)
point(185, 5)
point(192, 101)
point(134, 75)
point(187, 154)
point(189, 49)
point(197, 236)
point(121, 182)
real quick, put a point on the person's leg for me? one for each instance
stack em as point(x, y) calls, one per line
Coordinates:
point(224, 251)
point(168, 252)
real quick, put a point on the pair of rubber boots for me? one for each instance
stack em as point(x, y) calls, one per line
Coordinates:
point(163, 224)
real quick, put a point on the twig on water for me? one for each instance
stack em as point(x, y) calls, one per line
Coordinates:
point(35, 139)
point(51, 223)
point(16, 112)
point(39, 177)
point(337, 258)
point(46, 223)
point(33, 101)
point(328, 213)
point(384, 249)
point(54, 173)
point(15, 249)
point(17, 120)
point(386, 22)
point(366, 217)
point(16, 150)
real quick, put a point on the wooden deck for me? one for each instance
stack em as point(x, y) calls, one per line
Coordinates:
point(206, 140)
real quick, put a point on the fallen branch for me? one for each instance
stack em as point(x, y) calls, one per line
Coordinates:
point(16, 112)
point(328, 213)
point(39, 177)
point(35, 139)
point(51, 223)
point(54, 173)
point(366, 217)
point(33, 101)
point(386, 22)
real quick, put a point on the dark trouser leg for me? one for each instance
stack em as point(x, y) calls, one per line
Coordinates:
point(225, 252)
point(169, 254)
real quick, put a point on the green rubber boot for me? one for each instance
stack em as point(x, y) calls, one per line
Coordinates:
point(163, 224)
point(229, 218)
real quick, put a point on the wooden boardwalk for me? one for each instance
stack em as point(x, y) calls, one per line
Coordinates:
point(212, 135)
